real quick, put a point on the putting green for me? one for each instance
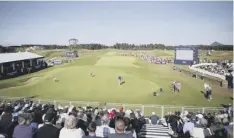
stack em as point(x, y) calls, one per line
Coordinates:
point(116, 61)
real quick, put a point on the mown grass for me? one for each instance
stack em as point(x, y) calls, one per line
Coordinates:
point(75, 82)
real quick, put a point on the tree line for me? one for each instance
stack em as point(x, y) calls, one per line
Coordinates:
point(126, 46)
point(122, 46)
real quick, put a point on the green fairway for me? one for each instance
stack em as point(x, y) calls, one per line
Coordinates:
point(141, 80)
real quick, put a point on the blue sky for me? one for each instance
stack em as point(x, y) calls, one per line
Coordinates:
point(170, 23)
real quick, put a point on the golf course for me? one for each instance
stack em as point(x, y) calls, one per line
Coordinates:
point(141, 80)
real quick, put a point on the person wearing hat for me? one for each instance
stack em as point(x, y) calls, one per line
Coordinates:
point(91, 129)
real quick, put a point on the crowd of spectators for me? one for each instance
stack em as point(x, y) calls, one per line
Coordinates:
point(26, 119)
point(215, 61)
point(150, 58)
point(221, 68)
point(198, 125)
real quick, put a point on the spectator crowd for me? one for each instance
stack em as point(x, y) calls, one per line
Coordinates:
point(223, 67)
point(149, 58)
point(27, 119)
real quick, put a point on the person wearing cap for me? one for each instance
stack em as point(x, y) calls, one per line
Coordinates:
point(48, 130)
point(91, 129)
point(120, 130)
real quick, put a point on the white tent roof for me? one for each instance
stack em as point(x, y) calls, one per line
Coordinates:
point(10, 57)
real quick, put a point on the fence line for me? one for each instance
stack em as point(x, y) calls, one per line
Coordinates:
point(146, 109)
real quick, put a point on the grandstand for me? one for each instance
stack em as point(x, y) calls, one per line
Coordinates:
point(14, 64)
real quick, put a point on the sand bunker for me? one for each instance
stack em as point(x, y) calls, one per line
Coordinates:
point(31, 79)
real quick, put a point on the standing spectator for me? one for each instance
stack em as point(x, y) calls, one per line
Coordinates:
point(135, 123)
point(173, 119)
point(23, 130)
point(69, 130)
point(119, 129)
point(48, 130)
point(104, 130)
point(188, 126)
point(154, 118)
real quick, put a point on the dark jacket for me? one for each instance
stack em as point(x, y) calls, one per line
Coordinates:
point(90, 137)
point(5, 122)
point(48, 131)
point(11, 128)
point(83, 125)
point(122, 135)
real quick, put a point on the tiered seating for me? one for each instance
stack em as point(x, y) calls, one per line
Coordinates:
point(154, 131)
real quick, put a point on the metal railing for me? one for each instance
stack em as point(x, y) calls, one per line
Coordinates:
point(146, 109)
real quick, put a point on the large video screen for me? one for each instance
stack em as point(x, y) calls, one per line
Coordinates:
point(184, 54)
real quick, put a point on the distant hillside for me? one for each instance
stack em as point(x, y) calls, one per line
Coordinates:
point(216, 44)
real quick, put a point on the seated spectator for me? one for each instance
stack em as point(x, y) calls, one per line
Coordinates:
point(81, 123)
point(48, 130)
point(119, 129)
point(104, 130)
point(70, 130)
point(129, 129)
point(217, 129)
point(12, 126)
point(23, 130)
point(91, 129)
point(6, 119)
